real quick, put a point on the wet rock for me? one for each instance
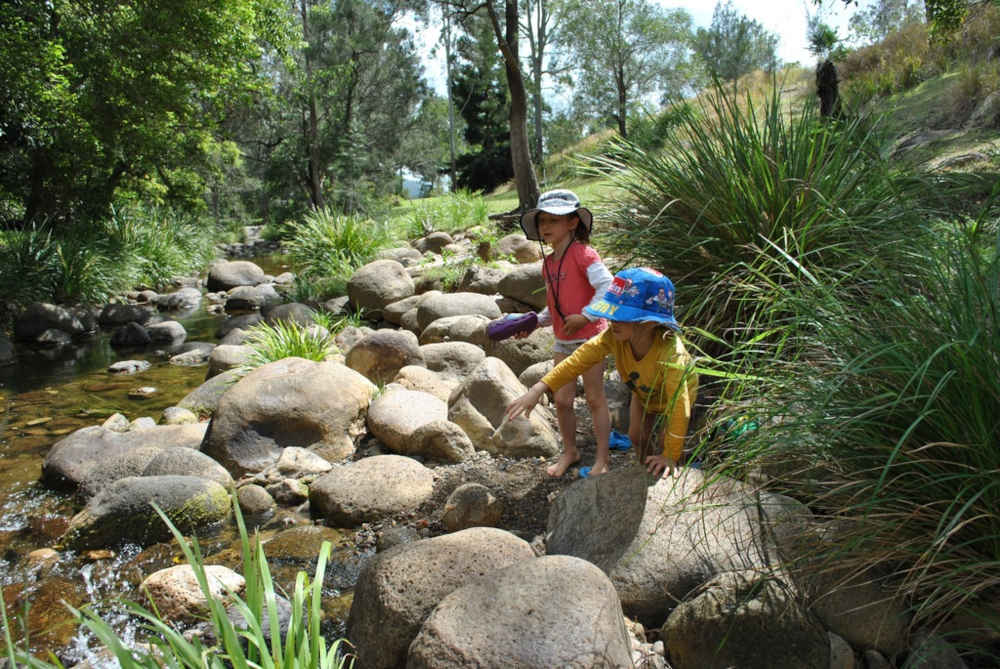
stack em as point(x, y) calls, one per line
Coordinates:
point(177, 596)
point(192, 353)
point(568, 604)
point(170, 333)
point(183, 300)
point(129, 366)
point(242, 322)
point(115, 314)
point(225, 357)
point(398, 588)
point(142, 392)
point(130, 335)
point(124, 511)
point(370, 489)
point(40, 316)
point(53, 339)
point(226, 275)
point(288, 492)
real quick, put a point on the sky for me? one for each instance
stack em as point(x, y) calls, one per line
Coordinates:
point(786, 18)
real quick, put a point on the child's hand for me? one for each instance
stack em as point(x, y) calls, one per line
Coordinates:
point(526, 402)
point(574, 322)
point(657, 464)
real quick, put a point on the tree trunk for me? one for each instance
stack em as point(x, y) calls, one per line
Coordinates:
point(314, 171)
point(520, 152)
point(451, 101)
point(622, 102)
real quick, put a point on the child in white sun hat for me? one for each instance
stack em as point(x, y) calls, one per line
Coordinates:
point(651, 358)
point(575, 277)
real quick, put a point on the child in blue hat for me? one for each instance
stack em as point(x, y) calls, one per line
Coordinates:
point(650, 357)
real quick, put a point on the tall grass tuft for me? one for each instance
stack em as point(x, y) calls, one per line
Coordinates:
point(746, 199)
point(258, 643)
point(326, 248)
point(456, 211)
point(285, 339)
point(889, 423)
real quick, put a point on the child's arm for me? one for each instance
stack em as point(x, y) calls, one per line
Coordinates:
point(680, 386)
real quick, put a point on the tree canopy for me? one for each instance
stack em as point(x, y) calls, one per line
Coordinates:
point(735, 44)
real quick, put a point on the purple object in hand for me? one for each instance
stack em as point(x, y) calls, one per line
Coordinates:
point(510, 325)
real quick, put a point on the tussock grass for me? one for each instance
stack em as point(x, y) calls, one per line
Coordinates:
point(284, 339)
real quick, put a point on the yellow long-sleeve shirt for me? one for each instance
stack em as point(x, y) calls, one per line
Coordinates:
point(662, 379)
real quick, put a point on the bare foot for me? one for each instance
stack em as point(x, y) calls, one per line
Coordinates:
point(598, 469)
point(565, 462)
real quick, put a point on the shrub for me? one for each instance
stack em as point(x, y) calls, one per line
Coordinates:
point(887, 422)
point(329, 247)
point(744, 199)
point(285, 339)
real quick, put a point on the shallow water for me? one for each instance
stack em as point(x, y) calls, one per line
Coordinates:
point(43, 399)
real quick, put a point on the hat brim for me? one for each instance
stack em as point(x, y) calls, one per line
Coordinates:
point(626, 314)
point(529, 219)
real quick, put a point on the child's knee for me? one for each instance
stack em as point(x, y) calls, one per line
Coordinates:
point(563, 402)
point(597, 402)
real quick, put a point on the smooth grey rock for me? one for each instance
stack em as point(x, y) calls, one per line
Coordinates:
point(455, 304)
point(380, 355)
point(370, 489)
point(225, 275)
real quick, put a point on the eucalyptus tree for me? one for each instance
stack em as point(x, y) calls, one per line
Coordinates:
point(507, 33)
point(348, 95)
point(543, 26)
point(626, 49)
point(101, 96)
point(735, 44)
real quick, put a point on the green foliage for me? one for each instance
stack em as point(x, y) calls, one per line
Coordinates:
point(283, 339)
point(456, 211)
point(236, 646)
point(822, 38)
point(88, 264)
point(744, 199)
point(888, 421)
point(734, 44)
point(114, 97)
point(326, 248)
point(627, 50)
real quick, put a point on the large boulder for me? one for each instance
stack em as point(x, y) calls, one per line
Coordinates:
point(471, 505)
point(377, 284)
point(124, 511)
point(519, 247)
point(380, 355)
point(250, 298)
point(167, 333)
point(290, 402)
point(225, 275)
point(398, 589)
point(479, 406)
point(370, 489)
point(394, 416)
point(689, 529)
point(39, 317)
point(228, 356)
point(525, 284)
point(746, 619)
point(481, 279)
point(393, 312)
point(470, 328)
point(187, 462)
point(519, 354)
point(453, 359)
point(119, 313)
point(96, 450)
point(292, 312)
point(441, 440)
point(553, 611)
point(455, 304)
point(413, 377)
point(204, 399)
point(183, 300)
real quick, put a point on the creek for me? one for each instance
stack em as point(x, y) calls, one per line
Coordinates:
point(45, 397)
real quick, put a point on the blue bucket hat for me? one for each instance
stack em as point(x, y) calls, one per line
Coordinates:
point(637, 295)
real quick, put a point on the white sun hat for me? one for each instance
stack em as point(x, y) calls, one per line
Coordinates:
point(559, 202)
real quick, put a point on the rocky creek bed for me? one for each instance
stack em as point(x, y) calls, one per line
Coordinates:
point(451, 545)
